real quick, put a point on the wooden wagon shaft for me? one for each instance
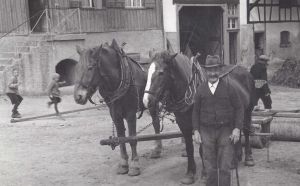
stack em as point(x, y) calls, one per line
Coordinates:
point(261, 120)
point(49, 115)
point(115, 141)
point(278, 114)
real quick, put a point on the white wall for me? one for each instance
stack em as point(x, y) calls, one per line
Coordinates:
point(169, 15)
point(243, 12)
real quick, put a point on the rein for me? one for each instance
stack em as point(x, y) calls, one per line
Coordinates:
point(183, 104)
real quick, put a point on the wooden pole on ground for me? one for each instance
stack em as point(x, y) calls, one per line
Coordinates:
point(49, 115)
point(114, 141)
point(278, 114)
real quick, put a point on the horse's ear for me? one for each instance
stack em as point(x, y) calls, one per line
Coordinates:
point(78, 49)
point(115, 45)
point(170, 58)
point(173, 56)
point(151, 53)
point(169, 47)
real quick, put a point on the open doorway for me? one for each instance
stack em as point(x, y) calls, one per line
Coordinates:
point(259, 44)
point(233, 47)
point(66, 70)
point(201, 30)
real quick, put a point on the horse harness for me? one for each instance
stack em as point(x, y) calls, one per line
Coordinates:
point(127, 80)
point(184, 104)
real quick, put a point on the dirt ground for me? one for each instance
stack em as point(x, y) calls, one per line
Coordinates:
point(52, 151)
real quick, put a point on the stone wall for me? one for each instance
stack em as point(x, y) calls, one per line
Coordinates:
point(38, 63)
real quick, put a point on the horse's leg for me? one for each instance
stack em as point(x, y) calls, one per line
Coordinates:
point(120, 127)
point(247, 130)
point(185, 125)
point(134, 169)
point(156, 152)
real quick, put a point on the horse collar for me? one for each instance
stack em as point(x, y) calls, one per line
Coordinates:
point(126, 78)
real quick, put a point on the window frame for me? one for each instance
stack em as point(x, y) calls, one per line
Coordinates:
point(285, 41)
point(132, 4)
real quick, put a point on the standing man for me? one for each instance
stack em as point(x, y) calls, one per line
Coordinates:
point(262, 90)
point(13, 93)
point(217, 121)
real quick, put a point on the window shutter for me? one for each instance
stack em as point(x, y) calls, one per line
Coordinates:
point(150, 3)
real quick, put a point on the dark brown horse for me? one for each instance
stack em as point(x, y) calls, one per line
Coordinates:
point(121, 82)
point(172, 73)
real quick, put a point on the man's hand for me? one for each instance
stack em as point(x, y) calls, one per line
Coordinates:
point(235, 136)
point(197, 137)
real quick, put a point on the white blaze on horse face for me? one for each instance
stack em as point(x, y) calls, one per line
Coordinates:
point(148, 85)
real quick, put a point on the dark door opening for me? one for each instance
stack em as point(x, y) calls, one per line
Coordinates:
point(36, 8)
point(259, 44)
point(233, 47)
point(201, 30)
point(66, 70)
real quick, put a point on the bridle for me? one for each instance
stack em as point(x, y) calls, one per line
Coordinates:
point(155, 94)
point(125, 82)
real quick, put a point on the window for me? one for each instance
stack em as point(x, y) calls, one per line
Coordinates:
point(233, 23)
point(133, 3)
point(285, 39)
point(233, 17)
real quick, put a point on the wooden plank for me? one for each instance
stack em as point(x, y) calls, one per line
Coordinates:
point(5, 16)
point(49, 115)
point(1, 18)
point(278, 114)
point(13, 10)
point(18, 17)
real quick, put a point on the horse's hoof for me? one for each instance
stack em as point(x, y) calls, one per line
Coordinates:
point(134, 171)
point(155, 154)
point(188, 179)
point(122, 169)
point(249, 161)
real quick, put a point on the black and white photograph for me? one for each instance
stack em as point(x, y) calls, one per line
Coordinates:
point(149, 92)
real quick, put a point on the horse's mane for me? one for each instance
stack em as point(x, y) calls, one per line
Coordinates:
point(184, 66)
point(181, 62)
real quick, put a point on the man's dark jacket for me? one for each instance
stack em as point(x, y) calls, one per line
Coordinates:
point(223, 108)
point(259, 72)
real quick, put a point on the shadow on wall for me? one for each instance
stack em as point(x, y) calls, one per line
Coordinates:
point(66, 70)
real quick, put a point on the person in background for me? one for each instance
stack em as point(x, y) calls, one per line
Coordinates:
point(217, 119)
point(13, 93)
point(259, 73)
point(54, 92)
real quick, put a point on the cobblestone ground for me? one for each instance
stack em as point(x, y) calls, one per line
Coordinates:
point(55, 151)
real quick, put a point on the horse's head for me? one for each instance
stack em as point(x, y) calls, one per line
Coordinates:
point(86, 75)
point(159, 77)
point(98, 68)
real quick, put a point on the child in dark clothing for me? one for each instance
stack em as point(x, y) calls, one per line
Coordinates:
point(54, 93)
point(13, 93)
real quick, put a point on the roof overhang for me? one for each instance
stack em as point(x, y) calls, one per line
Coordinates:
point(206, 1)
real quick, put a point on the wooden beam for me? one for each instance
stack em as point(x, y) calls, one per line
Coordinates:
point(115, 141)
point(49, 115)
point(278, 114)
